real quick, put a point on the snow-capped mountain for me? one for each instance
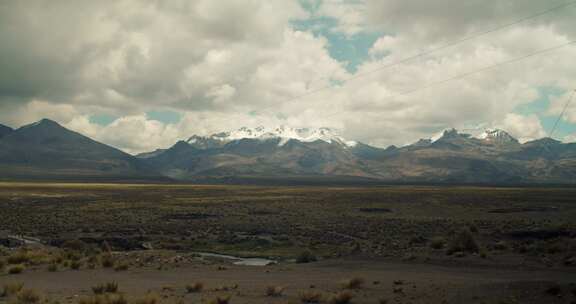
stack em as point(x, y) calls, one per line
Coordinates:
point(283, 133)
point(497, 136)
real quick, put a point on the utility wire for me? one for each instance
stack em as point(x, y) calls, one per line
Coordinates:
point(562, 113)
point(468, 74)
point(434, 50)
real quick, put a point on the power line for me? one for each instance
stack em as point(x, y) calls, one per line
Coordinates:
point(468, 74)
point(562, 113)
point(434, 50)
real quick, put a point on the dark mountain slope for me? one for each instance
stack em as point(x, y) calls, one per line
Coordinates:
point(46, 150)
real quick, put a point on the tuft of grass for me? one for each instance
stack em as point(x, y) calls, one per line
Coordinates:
point(52, 267)
point(150, 298)
point(343, 297)
point(107, 261)
point(121, 267)
point(11, 289)
point(75, 265)
point(28, 296)
point(354, 283)
point(310, 296)
point(16, 269)
point(18, 257)
point(463, 241)
point(194, 287)
point(109, 287)
point(437, 242)
point(306, 257)
point(274, 291)
point(220, 300)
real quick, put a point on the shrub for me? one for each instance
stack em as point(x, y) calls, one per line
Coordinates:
point(28, 296)
point(107, 261)
point(116, 299)
point(19, 257)
point(221, 300)
point(75, 265)
point(343, 297)
point(310, 297)
point(110, 287)
point(354, 283)
point(11, 289)
point(148, 299)
point(306, 257)
point(194, 287)
point(53, 267)
point(121, 267)
point(463, 241)
point(274, 291)
point(437, 242)
point(16, 269)
point(2, 264)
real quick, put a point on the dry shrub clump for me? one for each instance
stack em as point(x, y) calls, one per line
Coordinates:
point(109, 287)
point(121, 267)
point(437, 242)
point(194, 287)
point(220, 300)
point(310, 296)
point(107, 260)
point(463, 241)
point(16, 269)
point(354, 283)
point(343, 297)
point(11, 289)
point(104, 299)
point(274, 291)
point(306, 257)
point(28, 296)
point(150, 298)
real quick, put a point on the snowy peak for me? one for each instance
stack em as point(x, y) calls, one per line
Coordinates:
point(498, 137)
point(283, 133)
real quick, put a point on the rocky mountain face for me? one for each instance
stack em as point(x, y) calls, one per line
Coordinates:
point(4, 130)
point(492, 157)
point(46, 150)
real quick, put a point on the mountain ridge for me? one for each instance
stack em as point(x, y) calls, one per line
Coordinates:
point(46, 149)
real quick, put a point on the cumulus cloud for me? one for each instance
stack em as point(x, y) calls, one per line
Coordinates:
point(226, 64)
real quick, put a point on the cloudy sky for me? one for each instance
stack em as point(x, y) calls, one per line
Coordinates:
point(139, 75)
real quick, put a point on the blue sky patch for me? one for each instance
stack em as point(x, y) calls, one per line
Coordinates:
point(102, 119)
point(167, 117)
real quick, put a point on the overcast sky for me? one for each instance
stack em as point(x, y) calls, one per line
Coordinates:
point(140, 75)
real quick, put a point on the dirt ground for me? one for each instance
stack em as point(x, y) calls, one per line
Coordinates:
point(394, 282)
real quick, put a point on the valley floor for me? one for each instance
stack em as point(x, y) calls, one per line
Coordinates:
point(406, 244)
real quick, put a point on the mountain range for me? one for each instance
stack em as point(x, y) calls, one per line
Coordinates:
point(46, 150)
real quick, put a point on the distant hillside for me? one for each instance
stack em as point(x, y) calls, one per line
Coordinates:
point(46, 150)
point(493, 157)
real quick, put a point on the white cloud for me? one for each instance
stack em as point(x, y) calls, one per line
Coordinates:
point(225, 64)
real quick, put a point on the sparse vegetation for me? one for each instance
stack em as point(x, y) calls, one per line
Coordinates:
point(220, 300)
point(16, 269)
point(354, 283)
point(343, 297)
point(28, 296)
point(121, 267)
point(194, 287)
point(464, 241)
point(310, 296)
point(274, 291)
point(306, 257)
point(11, 289)
point(437, 242)
point(109, 287)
